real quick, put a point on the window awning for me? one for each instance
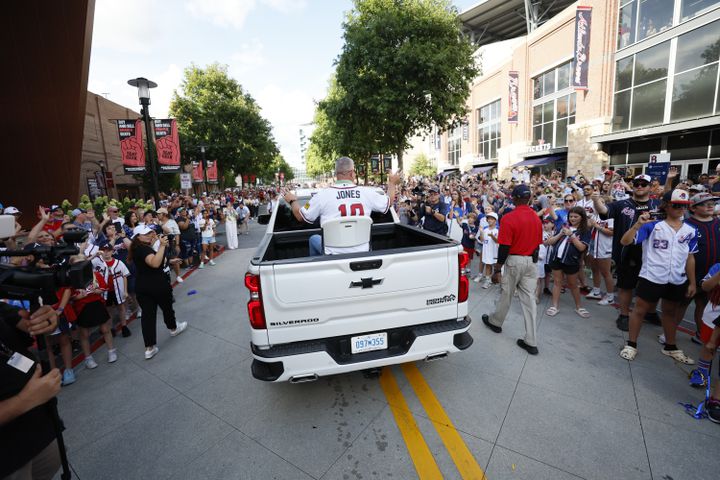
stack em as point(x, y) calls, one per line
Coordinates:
point(537, 161)
point(449, 172)
point(479, 170)
point(667, 128)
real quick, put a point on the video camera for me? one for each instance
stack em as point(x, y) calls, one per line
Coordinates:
point(49, 270)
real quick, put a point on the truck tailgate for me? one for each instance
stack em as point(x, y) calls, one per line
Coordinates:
point(359, 295)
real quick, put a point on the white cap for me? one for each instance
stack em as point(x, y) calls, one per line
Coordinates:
point(11, 211)
point(493, 215)
point(141, 230)
point(643, 177)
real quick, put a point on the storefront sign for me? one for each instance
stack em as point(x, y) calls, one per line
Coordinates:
point(131, 145)
point(387, 163)
point(513, 98)
point(93, 188)
point(197, 172)
point(167, 143)
point(212, 171)
point(659, 157)
point(583, 20)
point(543, 147)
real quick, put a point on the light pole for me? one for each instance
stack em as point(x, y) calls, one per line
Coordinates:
point(144, 85)
point(204, 164)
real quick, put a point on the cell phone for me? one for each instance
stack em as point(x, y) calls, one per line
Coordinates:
point(657, 215)
point(118, 226)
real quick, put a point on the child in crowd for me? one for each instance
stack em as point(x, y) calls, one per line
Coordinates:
point(490, 247)
point(63, 336)
point(113, 279)
point(470, 230)
point(207, 229)
point(542, 267)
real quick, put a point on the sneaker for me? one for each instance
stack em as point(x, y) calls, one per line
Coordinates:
point(90, 362)
point(179, 279)
point(112, 355)
point(608, 299)
point(68, 377)
point(211, 262)
point(661, 339)
point(201, 266)
point(713, 410)
point(623, 323)
point(179, 328)
point(139, 313)
point(595, 294)
point(477, 278)
point(486, 283)
point(698, 379)
point(126, 331)
point(151, 353)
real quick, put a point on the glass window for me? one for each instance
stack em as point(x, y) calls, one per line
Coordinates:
point(652, 64)
point(618, 153)
point(626, 24)
point(537, 114)
point(623, 74)
point(715, 144)
point(691, 93)
point(690, 8)
point(537, 88)
point(640, 151)
point(489, 130)
point(548, 108)
point(549, 83)
point(563, 80)
point(621, 119)
point(548, 133)
point(572, 103)
point(655, 16)
point(562, 107)
point(561, 135)
point(698, 47)
point(690, 146)
point(648, 104)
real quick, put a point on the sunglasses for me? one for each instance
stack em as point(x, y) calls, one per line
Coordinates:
point(678, 206)
point(569, 200)
point(641, 184)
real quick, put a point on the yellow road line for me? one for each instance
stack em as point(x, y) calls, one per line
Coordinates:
point(461, 455)
point(418, 449)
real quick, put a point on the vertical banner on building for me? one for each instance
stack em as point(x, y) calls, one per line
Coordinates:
point(167, 143)
point(513, 96)
point(131, 145)
point(465, 132)
point(387, 163)
point(212, 173)
point(583, 20)
point(197, 172)
point(375, 164)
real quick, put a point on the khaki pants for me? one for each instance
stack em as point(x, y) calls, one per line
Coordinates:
point(521, 273)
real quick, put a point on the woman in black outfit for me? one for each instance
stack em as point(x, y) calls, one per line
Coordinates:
point(152, 286)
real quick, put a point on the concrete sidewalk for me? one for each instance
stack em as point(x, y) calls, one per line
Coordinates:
point(577, 410)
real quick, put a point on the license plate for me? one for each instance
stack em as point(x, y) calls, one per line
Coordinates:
point(368, 343)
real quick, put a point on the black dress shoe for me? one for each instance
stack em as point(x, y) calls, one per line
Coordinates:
point(528, 348)
point(486, 321)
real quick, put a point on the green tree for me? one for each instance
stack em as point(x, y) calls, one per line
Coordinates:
point(422, 166)
point(278, 164)
point(212, 109)
point(404, 67)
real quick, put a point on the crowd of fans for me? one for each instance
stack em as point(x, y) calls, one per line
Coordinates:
point(135, 255)
point(607, 239)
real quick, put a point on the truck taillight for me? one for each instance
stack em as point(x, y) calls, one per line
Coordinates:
point(463, 282)
point(256, 313)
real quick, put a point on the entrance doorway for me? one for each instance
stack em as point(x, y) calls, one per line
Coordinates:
point(693, 170)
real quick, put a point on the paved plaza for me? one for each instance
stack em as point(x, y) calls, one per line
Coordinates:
point(575, 411)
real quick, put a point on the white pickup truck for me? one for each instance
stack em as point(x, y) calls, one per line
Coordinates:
point(404, 300)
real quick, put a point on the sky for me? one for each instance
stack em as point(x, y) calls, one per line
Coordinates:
point(280, 51)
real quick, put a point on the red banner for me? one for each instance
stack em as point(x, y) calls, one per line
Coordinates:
point(212, 173)
point(167, 143)
point(131, 145)
point(197, 172)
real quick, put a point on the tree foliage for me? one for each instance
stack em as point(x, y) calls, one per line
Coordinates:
point(422, 166)
point(212, 109)
point(404, 67)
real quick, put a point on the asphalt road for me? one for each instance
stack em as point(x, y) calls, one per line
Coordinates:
point(575, 411)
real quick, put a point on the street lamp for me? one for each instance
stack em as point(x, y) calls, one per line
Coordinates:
point(144, 85)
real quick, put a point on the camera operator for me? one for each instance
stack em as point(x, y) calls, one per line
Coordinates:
point(28, 445)
point(433, 213)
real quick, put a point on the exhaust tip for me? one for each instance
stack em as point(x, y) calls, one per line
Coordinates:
point(436, 356)
point(304, 378)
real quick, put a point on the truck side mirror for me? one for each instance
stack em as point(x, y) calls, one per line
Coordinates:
point(264, 219)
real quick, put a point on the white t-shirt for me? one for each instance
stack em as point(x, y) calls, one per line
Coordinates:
point(602, 245)
point(344, 200)
point(665, 251)
point(711, 312)
point(207, 228)
point(490, 246)
point(171, 227)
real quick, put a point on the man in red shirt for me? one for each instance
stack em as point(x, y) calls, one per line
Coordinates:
point(54, 221)
point(519, 237)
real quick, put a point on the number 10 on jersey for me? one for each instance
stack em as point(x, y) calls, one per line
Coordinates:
point(356, 210)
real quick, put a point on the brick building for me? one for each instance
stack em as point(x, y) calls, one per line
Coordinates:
point(101, 151)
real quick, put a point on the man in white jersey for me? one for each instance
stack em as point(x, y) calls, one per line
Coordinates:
point(343, 199)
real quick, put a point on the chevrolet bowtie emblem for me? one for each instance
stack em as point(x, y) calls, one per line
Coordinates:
point(366, 283)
